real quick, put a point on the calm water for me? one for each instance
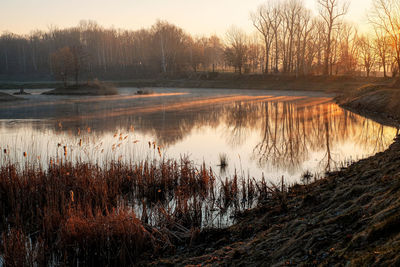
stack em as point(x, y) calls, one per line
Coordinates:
point(261, 132)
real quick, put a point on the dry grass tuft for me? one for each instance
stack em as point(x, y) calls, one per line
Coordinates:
point(81, 213)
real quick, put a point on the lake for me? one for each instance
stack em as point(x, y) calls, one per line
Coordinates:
point(260, 133)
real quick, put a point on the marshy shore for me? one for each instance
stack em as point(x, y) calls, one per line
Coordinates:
point(83, 213)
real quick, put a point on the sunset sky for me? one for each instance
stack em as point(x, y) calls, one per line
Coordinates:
point(197, 17)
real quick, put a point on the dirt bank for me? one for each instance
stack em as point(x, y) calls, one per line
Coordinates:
point(378, 101)
point(350, 217)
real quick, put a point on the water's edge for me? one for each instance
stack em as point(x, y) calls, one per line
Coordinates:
point(331, 212)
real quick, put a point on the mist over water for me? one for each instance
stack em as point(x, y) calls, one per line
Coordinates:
point(266, 133)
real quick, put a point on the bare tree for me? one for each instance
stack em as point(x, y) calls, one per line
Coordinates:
point(367, 56)
point(385, 16)
point(263, 22)
point(79, 60)
point(172, 41)
point(348, 49)
point(275, 24)
point(196, 52)
point(331, 12)
point(382, 48)
point(290, 12)
point(256, 53)
point(237, 41)
point(304, 28)
point(214, 52)
point(62, 64)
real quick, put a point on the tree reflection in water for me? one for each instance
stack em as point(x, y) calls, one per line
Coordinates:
point(275, 134)
point(290, 131)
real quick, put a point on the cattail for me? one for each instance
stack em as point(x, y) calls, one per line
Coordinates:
point(149, 144)
point(25, 154)
point(71, 193)
point(80, 142)
point(89, 130)
point(5, 151)
point(79, 131)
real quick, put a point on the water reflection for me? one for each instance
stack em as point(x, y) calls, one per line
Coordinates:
point(290, 132)
point(273, 135)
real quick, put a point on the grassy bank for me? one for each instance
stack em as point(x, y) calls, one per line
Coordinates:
point(231, 81)
point(266, 82)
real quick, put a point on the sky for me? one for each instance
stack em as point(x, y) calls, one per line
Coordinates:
point(198, 17)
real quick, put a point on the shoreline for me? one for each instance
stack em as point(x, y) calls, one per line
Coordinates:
point(231, 81)
point(376, 102)
point(304, 231)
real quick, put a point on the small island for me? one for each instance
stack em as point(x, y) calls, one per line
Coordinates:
point(71, 62)
point(90, 88)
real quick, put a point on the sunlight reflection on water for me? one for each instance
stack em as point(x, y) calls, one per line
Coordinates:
point(260, 132)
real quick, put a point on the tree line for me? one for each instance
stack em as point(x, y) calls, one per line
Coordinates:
point(288, 38)
point(95, 51)
point(296, 41)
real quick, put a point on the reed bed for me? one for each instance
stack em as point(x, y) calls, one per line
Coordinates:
point(81, 213)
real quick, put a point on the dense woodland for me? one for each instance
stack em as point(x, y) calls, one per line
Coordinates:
point(287, 38)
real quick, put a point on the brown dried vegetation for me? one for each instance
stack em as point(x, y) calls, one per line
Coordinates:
point(82, 213)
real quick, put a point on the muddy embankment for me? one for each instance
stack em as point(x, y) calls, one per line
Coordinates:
point(379, 101)
point(350, 218)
